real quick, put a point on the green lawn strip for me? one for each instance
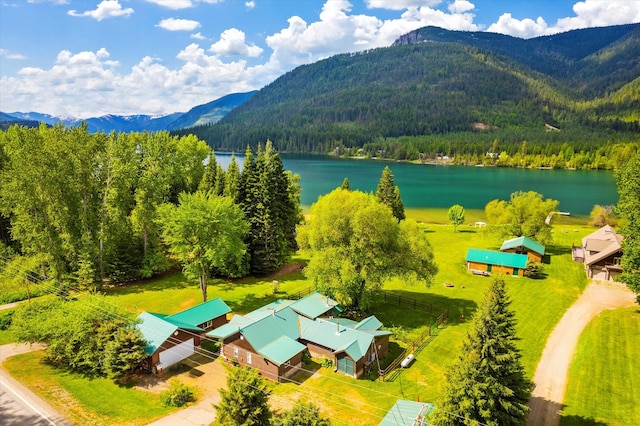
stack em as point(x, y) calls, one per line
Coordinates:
point(84, 400)
point(603, 378)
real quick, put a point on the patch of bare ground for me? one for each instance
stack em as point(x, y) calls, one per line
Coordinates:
point(550, 379)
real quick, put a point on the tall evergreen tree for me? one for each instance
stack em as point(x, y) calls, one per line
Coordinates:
point(232, 179)
point(245, 400)
point(389, 194)
point(628, 180)
point(345, 184)
point(488, 384)
point(210, 175)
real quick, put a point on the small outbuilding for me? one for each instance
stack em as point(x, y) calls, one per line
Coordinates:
point(524, 245)
point(486, 262)
point(407, 413)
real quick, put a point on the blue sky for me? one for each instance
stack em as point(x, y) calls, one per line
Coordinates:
point(85, 58)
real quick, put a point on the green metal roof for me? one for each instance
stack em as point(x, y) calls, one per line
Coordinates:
point(369, 323)
point(270, 328)
point(407, 413)
point(158, 328)
point(203, 312)
point(497, 258)
point(525, 242)
point(314, 305)
point(281, 350)
point(224, 331)
point(336, 337)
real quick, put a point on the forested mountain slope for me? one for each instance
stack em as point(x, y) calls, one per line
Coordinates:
point(439, 82)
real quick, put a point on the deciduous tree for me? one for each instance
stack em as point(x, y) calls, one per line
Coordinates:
point(456, 216)
point(487, 385)
point(205, 233)
point(355, 244)
point(603, 215)
point(523, 215)
point(628, 181)
point(302, 414)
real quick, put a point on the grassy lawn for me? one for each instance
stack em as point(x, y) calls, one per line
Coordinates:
point(603, 379)
point(84, 400)
point(539, 304)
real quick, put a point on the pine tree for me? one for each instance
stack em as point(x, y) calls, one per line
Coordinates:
point(245, 400)
point(232, 179)
point(208, 181)
point(346, 185)
point(389, 194)
point(488, 384)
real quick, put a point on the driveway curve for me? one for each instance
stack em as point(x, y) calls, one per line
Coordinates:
point(550, 379)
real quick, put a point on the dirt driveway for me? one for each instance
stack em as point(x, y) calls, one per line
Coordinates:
point(551, 374)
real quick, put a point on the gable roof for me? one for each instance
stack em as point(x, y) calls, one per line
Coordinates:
point(601, 244)
point(314, 305)
point(281, 350)
point(497, 258)
point(203, 312)
point(407, 413)
point(157, 329)
point(525, 242)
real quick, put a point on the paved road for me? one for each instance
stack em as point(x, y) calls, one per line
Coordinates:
point(18, 405)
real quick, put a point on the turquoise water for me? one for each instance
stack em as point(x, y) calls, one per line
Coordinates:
point(443, 186)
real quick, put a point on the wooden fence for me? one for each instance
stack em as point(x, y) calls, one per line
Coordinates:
point(416, 345)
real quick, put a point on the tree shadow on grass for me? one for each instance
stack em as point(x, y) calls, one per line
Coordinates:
point(393, 313)
point(171, 280)
point(580, 421)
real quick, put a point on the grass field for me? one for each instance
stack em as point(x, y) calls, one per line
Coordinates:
point(603, 379)
point(83, 400)
point(538, 304)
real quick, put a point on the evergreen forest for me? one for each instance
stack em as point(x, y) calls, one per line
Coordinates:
point(569, 99)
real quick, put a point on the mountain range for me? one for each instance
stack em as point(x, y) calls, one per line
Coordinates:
point(208, 113)
point(582, 84)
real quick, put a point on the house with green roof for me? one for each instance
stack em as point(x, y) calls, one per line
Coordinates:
point(524, 245)
point(484, 262)
point(168, 341)
point(407, 413)
point(274, 337)
point(172, 338)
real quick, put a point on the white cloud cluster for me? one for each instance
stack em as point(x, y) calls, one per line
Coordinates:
point(173, 24)
point(105, 9)
point(232, 43)
point(6, 54)
point(90, 83)
point(589, 13)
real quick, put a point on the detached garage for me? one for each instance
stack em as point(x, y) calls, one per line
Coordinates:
point(168, 341)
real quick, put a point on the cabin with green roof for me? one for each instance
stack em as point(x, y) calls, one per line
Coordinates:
point(172, 338)
point(274, 337)
point(524, 245)
point(485, 262)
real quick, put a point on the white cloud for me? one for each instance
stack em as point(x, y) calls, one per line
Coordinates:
point(250, 4)
point(181, 4)
point(106, 9)
point(232, 42)
point(173, 24)
point(400, 4)
point(6, 54)
point(461, 6)
point(173, 4)
point(588, 13)
point(197, 36)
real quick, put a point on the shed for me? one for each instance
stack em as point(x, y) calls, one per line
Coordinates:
point(524, 245)
point(407, 413)
point(487, 261)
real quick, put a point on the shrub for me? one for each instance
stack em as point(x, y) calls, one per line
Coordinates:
point(534, 270)
point(327, 363)
point(5, 319)
point(177, 395)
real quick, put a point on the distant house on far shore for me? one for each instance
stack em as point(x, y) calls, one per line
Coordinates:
point(524, 245)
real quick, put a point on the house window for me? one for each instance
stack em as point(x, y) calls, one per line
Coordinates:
point(208, 324)
point(235, 352)
point(616, 260)
point(287, 364)
point(248, 357)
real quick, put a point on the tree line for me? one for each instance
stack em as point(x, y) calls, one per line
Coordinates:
point(85, 209)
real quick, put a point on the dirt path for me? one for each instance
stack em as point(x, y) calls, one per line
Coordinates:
point(551, 375)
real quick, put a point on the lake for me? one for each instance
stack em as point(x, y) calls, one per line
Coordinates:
point(443, 186)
